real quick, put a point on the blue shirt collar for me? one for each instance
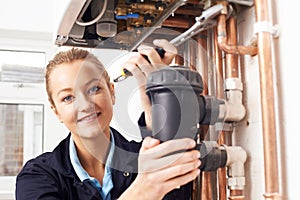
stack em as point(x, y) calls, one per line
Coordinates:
point(84, 176)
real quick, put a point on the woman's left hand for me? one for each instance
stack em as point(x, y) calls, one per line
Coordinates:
point(140, 68)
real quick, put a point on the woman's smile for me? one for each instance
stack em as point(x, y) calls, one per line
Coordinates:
point(89, 118)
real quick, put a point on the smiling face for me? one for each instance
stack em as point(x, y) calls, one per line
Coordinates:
point(82, 99)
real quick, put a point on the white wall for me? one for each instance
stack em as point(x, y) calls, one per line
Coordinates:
point(288, 85)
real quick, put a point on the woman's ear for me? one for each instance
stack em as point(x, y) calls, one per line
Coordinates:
point(56, 113)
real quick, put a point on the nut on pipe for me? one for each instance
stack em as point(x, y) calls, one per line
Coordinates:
point(236, 158)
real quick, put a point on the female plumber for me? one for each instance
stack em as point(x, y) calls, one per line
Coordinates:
point(95, 161)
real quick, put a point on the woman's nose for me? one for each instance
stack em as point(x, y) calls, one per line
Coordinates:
point(84, 103)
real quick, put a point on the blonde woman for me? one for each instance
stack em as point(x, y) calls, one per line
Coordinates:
point(95, 161)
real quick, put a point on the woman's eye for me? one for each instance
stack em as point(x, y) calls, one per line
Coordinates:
point(94, 89)
point(67, 99)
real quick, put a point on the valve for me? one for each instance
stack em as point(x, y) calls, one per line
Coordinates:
point(212, 156)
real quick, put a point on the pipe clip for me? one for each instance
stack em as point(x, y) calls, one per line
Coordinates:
point(266, 26)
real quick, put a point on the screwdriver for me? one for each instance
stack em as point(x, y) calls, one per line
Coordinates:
point(126, 73)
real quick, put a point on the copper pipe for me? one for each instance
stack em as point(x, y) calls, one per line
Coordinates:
point(143, 7)
point(222, 174)
point(178, 21)
point(179, 60)
point(194, 2)
point(218, 60)
point(268, 103)
point(233, 49)
point(211, 179)
point(220, 94)
point(236, 195)
point(202, 58)
point(206, 193)
point(206, 185)
point(232, 70)
point(188, 10)
point(192, 56)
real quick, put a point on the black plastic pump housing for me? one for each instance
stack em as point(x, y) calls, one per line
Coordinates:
point(174, 93)
point(178, 108)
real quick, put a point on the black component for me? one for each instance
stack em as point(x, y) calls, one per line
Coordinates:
point(126, 72)
point(160, 5)
point(174, 92)
point(178, 108)
point(211, 115)
point(161, 52)
point(123, 76)
point(128, 2)
point(148, 17)
point(212, 157)
point(177, 104)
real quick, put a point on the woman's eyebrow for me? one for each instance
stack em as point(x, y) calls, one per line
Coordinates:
point(70, 89)
point(92, 80)
point(64, 90)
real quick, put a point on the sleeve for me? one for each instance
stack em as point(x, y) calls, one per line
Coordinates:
point(142, 125)
point(34, 183)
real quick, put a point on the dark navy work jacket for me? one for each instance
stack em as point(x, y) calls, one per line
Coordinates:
point(51, 176)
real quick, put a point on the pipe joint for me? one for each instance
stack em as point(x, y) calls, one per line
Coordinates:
point(223, 40)
point(272, 196)
point(236, 158)
point(235, 110)
point(236, 183)
point(225, 4)
point(236, 154)
point(233, 84)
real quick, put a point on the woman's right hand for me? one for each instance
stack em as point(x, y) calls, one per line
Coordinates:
point(163, 167)
point(140, 67)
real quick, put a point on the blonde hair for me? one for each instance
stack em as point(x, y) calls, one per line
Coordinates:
point(70, 56)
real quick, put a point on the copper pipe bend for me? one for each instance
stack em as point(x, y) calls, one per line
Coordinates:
point(232, 49)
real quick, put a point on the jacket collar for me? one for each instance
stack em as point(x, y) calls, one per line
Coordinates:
point(124, 159)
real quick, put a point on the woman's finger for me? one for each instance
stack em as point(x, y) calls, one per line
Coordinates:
point(152, 56)
point(170, 147)
point(168, 161)
point(170, 50)
point(149, 143)
point(136, 72)
point(181, 180)
point(178, 170)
